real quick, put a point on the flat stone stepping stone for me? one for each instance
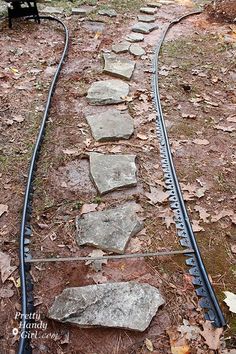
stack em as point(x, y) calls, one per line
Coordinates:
point(145, 28)
point(93, 26)
point(108, 12)
point(153, 4)
point(122, 47)
point(53, 10)
point(110, 172)
point(109, 230)
point(117, 66)
point(135, 37)
point(111, 125)
point(126, 305)
point(82, 11)
point(146, 18)
point(136, 50)
point(107, 92)
point(148, 10)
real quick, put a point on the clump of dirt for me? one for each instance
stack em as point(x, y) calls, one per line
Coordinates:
point(222, 10)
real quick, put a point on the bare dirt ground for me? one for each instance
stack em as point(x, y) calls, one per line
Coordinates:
point(197, 85)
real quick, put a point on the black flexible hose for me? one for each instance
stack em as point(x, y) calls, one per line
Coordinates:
point(26, 303)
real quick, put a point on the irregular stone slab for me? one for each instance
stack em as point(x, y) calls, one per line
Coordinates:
point(93, 26)
point(127, 305)
point(52, 10)
point(108, 12)
point(148, 10)
point(111, 125)
point(82, 11)
point(145, 28)
point(154, 4)
point(117, 66)
point(136, 50)
point(110, 172)
point(146, 18)
point(109, 230)
point(107, 92)
point(122, 47)
point(134, 37)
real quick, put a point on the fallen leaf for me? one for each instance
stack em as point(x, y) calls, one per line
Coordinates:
point(233, 249)
point(231, 119)
point(98, 278)
point(142, 137)
point(18, 119)
point(203, 214)
point(196, 227)
point(5, 267)
point(190, 332)
point(201, 141)
point(88, 208)
point(178, 343)
point(149, 345)
point(135, 245)
point(3, 209)
point(186, 115)
point(214, 104)
point(200, 192)
point(70, 151)
point(230, 300)
point(168, 216)
point(222, 214)
point(157, 195)
point(211, 335)
point(6, 292)
point(96, 264)
point(225, 129)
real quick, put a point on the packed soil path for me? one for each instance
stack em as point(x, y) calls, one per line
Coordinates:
point(197, 85)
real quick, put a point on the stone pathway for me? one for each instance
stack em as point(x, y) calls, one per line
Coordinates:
point(127, 305)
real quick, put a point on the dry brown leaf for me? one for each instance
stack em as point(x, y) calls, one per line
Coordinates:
point(178, 343)
point(168, 216)
point(233, 249)
point(190, 332)
point(88, 208)
point(225, 129)
point(187, 115)
point(5, 267)
point(70, 151)
point(157, 195)
point(200, 192)
point(3, 209)
point(211, 335)
point(222, 214)
point(231, 119)
point(203, 214)
point(96, 264)
point(196, 227)
point(149, 345)
point(98, 278)
point(6, 292)
point(18, 119)
point(201, 141)
point(142, 137)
